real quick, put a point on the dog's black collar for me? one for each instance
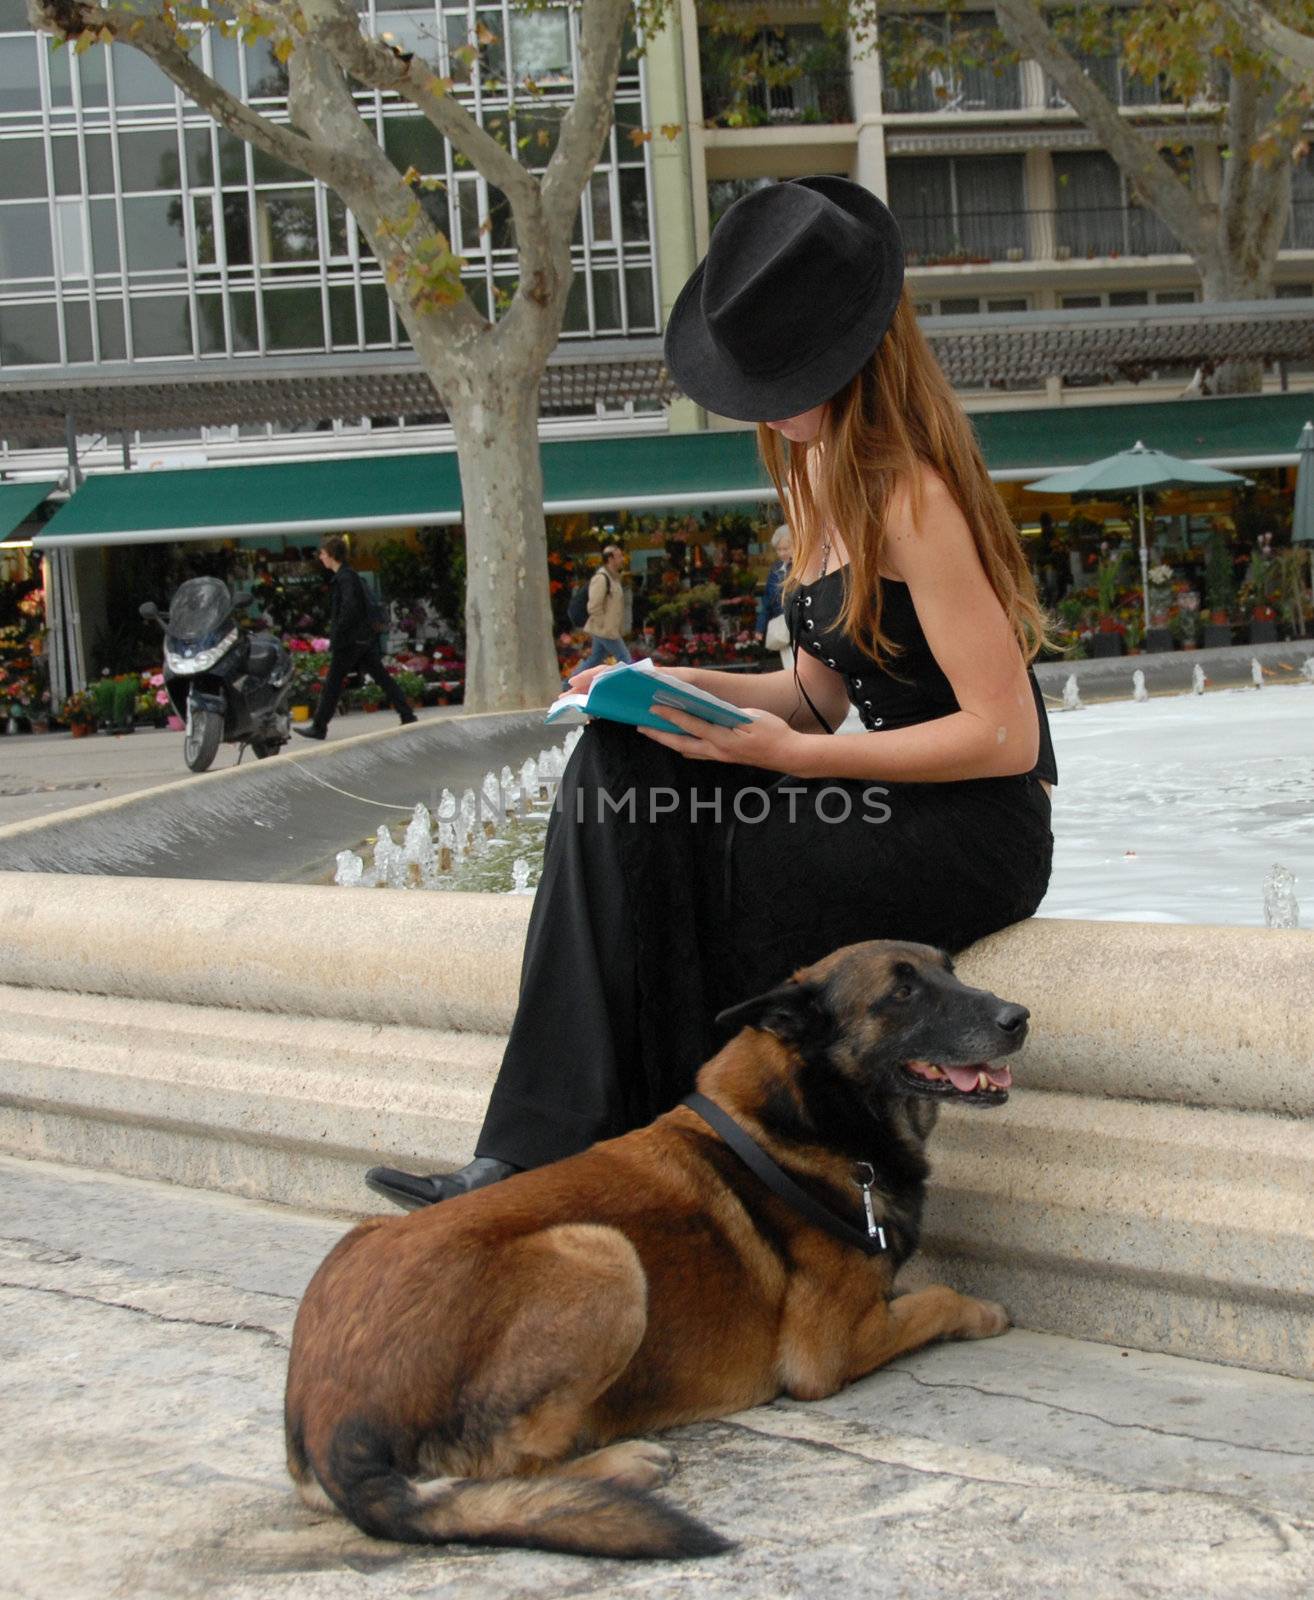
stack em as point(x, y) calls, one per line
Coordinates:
point(871, 1242)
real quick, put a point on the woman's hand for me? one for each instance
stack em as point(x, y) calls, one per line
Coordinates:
point(580, 681)
point(764, 741)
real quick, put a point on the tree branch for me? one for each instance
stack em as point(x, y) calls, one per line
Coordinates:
point(1026, 29)
point(335, 25)
point(1292, 52)
point(154, 37)
point(584, 127)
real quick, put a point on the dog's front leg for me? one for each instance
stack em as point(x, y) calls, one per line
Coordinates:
point(909, 1321)
point(815, 1363)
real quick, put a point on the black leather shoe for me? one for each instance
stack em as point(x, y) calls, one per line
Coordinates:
point(312, 732)
point(408, 719)
point(411, 1191)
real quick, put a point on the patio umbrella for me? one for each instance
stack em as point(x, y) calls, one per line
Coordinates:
point(1140, 468)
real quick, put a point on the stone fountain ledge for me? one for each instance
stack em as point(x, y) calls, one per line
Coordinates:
point(1149, 1183)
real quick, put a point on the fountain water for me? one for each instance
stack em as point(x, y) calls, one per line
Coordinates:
point(1307, 671)
point(1198, 679)
point(1256, 673)
point(436, 845)
point(1281, 909)
point(1139, 691)
point(1071, 694)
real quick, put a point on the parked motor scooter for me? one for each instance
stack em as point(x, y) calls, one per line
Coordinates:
point(228, 686)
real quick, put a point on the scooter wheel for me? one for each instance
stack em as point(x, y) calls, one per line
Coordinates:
point(203, 740)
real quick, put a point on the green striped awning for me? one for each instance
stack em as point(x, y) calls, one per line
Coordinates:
point(18, 501)
point(280, 499)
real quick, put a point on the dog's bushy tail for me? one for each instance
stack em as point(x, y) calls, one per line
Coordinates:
point(583, 1516)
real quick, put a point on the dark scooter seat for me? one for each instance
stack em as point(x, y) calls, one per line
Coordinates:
point(262, 655)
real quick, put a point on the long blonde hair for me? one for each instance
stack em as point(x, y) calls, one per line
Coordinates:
point(898, 414)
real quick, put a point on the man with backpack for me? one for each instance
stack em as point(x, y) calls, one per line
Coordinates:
point(604, 609)
point(355, 623)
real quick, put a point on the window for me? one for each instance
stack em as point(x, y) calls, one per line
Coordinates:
point(161, 326)
point(23, 170)
point(153, 231)
point(540, 46)
point(25, 250)
point(286, 226)
point(1094, 217)
point(959, 209)
point(29, 335)
point(20, 85)
point(72, 240)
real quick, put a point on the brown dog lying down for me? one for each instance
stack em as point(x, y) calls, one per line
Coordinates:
point(460, 1373)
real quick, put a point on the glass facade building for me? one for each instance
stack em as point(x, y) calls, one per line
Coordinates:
point(132, 227)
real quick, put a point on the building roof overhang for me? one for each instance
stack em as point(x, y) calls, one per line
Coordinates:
point(1125, 343)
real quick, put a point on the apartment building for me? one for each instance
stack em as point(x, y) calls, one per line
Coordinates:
point(1006, 201)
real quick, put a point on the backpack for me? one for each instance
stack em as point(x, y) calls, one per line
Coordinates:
point(577, 612)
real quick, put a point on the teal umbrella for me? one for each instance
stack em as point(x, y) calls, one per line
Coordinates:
point(1140, 468)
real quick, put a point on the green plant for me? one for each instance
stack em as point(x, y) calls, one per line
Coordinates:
point(1220, 580)
point(402, 571)
point(411, 684)
point(1107, 582)
point(370, 695)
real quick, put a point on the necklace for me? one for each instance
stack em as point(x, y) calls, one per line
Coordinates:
point(825, 558)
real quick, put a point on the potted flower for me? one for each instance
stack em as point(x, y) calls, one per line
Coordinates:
point(1159, 635)
point(1107, 638)
point(371, 697)
point(411, 685)
point(80, 715)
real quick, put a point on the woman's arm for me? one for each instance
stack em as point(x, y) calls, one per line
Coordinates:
point(776, 692)
point(995, 732)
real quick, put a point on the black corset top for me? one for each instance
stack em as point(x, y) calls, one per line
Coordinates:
point(912, 688)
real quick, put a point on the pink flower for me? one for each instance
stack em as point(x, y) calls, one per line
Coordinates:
point(319, 644)
point(156, 680)
point(161, 697)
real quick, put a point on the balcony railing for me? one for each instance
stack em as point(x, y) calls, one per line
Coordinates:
point(1086, 233)
point(978, 89)
point(812, 97)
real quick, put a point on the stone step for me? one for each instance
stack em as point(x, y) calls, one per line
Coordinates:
point(278, 1108)
point(1156, 1226)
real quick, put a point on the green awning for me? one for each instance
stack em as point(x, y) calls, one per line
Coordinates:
point(1239, 430)
point(292, 499)
point(677, 469)
point(18, 501)
point(281, 499)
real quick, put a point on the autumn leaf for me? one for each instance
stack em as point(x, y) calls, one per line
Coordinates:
point(640, 136)
point(485, 35)
point(670, 130)
point(284, 48)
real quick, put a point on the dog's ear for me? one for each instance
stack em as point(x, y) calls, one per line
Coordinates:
point(791, 1011)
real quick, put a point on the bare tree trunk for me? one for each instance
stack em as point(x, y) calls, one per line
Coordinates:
point(511, 658)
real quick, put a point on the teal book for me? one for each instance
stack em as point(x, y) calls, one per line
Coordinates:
point(635, 692)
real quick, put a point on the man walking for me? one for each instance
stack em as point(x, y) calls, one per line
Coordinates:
point(606, 609)
point(353, 643)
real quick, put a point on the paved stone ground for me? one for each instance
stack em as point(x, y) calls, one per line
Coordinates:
point(42, 773)
point(143, 1336)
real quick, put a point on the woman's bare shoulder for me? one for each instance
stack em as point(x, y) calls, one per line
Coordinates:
point(918, 509)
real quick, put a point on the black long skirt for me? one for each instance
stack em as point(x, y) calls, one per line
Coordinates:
point(674, 888)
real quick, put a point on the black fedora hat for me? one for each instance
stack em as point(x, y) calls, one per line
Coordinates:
point(799, 284)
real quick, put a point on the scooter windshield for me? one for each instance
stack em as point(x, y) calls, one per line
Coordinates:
point(201, 606)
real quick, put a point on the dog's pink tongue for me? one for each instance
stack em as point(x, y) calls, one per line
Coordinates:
point(963, 1078)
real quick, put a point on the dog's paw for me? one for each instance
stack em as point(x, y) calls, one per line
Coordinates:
point(984, 1320)
point(639, 1464)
